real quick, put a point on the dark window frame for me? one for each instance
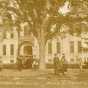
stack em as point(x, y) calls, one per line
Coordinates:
point(12, 49)
point(49, 47)
point(12, 35)
point(11, 61)
point(4, 50)
point(72, 46)
point(79, 47)
point(58, 46)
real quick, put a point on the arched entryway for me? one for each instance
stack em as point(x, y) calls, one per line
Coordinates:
point(25, 49)
point(26, 53)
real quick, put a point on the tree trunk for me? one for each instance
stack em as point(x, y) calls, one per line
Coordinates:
point(42, 50)
point(42, 43)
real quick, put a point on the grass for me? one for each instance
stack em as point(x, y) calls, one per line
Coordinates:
point(42, 79)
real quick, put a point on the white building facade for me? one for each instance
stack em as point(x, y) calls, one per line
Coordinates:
point(12, 41)
point(9, 47)
point(69, 45)
point(27, 42)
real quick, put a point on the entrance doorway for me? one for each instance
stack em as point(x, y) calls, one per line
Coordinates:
point(28, 50)
point(28, 60)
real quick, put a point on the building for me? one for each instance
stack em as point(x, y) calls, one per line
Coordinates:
point(9, 46)
point(25, 44)
point(69, 45)
point(74, 47)
point(28, 44)
point(14, 43)
point(84, 37)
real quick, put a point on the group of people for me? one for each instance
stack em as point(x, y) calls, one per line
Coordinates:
point(27, 62)
point(60, 64)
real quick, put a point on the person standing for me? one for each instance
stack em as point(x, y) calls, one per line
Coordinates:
point(29, 61)
point(35, 64)
point(63, 64)
point(56, 64)
point(19, 63)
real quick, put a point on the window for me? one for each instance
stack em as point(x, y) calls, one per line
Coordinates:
point(58, 47)
point(12, 49)
point(12, 35)
point(4, 35)
point(11, 61)
point(4, 49)
point(72, 46)
point(79, 46)
point(50, 47)
point(72, 60)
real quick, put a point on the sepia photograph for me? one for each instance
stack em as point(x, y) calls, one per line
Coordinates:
point(43, 43)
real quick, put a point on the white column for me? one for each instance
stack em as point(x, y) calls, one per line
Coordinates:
point(75, 50)
point(66, 48)
point(54, 48)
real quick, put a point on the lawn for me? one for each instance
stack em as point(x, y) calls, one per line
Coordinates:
point(43, 79)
